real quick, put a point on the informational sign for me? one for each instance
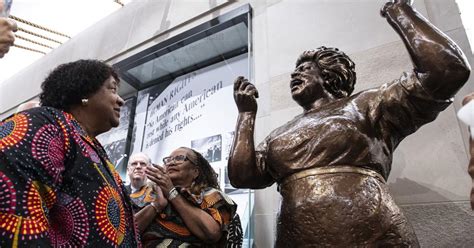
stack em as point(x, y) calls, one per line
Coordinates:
point(196, 110)
point(115, 140)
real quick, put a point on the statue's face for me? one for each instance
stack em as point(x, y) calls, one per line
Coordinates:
point(307, 83)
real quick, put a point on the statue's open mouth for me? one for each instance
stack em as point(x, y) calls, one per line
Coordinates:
point(295, 83)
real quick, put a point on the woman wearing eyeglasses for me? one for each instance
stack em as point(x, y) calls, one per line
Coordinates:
point(190, 208)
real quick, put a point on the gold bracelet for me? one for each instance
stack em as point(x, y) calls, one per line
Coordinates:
point(172, 194)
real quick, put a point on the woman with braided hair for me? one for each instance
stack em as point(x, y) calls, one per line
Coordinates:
point(190, 209)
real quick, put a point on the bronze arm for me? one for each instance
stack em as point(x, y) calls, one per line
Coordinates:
point(440, 65)
point(244, 171)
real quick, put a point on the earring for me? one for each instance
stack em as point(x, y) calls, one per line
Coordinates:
point(84, 101)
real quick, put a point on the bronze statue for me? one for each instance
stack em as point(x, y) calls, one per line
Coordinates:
point(331, 161)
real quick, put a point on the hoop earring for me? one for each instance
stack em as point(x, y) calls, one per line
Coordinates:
point(85, 101)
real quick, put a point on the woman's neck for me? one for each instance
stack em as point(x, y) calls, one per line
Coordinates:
point(84, 121)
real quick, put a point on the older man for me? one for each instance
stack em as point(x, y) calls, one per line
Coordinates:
point(141, 193)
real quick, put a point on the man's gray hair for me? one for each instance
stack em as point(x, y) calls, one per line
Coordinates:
point(147, 158)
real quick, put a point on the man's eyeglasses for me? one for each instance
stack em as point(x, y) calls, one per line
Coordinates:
point(136, 163)
point(176, 159)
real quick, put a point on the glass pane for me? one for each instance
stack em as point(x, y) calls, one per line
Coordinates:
point(195, 110)
point(215, 45)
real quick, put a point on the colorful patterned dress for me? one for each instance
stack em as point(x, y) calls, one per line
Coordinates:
point(58, 187)
point(141, 197)
point(169, 230)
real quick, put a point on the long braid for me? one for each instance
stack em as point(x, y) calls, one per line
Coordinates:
point(207, 176)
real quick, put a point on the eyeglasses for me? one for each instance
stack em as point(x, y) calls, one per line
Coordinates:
point(137, 163)
point(176, 159)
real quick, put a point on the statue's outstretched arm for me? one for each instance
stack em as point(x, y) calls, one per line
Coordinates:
point(439, 64)
point(244, 172)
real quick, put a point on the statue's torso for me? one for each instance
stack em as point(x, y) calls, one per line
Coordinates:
point(339, 209)
point(362, 131)
point(339, 134)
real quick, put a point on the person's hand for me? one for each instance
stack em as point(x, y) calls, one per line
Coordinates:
point(161, 202)
point(245, 95)
point(160, 177)
point(7, 28)
point(392, 4)
point(468, 98)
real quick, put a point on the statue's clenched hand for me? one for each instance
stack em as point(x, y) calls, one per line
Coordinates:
point(394, 4)
point(245, 95)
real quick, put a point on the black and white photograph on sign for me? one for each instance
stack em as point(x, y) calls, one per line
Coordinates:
point(195, 110)
point(116, 151)
point(115, 140)
point(209, 147)
point(227, 141)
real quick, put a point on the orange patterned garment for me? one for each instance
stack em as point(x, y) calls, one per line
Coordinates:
point(169, 230)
